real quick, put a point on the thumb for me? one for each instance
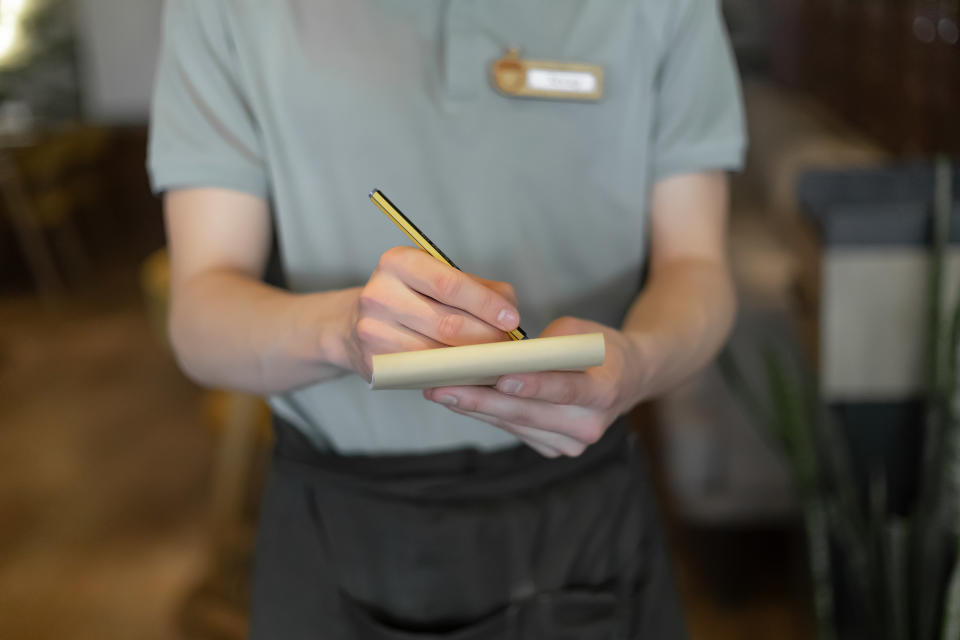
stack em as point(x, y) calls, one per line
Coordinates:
point(569, 326)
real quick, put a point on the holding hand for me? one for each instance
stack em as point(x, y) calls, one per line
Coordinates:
point(557, 412)
point(413, 302)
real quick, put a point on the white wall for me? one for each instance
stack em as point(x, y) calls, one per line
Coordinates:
point(119, 41)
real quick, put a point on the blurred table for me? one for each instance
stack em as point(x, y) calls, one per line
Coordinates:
point(865, 277)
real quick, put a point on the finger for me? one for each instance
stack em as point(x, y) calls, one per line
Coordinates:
point(448, 325)
point(389, 299)
point(378, 336)
point(545, 442)
point(579, 423)
point(450, 286)
point(531, 437)
point(566, 445)
point(543, 450)
point(503, 288)
point(557, 387)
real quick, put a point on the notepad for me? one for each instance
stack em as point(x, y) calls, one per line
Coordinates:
point(483, 364)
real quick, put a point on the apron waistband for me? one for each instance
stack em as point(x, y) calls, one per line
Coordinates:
point(447, 475)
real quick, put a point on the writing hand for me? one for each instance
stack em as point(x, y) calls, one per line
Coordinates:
point(412, 302)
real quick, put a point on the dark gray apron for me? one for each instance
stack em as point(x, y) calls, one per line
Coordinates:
point(461, 546)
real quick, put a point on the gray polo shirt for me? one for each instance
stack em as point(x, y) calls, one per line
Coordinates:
point(310, 104)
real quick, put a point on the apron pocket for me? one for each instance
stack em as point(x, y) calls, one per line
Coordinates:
point(368, 625)
point(432, 562)
point(575, 614)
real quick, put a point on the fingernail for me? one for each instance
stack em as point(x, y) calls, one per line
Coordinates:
point(508, 319)
point(511, 385)
point(450, 401)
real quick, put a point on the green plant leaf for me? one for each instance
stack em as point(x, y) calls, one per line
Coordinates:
point(897, 556)
point(818, 551)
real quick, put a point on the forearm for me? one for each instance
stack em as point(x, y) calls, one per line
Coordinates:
point(231, 331)
point(679, 322)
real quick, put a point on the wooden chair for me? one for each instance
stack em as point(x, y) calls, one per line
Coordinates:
point(44, 186)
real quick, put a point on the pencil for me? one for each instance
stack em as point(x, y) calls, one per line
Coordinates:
point(421, 240)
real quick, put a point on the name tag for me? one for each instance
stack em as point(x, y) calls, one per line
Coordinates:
point(563, 81)
point(516, 77)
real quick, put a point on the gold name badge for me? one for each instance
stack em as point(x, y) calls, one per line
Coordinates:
point(516, 77)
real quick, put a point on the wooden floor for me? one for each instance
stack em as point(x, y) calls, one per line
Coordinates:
point(104, 469)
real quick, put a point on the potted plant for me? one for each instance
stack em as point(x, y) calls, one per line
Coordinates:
point(876, 572)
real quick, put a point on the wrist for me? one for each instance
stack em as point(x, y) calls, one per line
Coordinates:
point(329, 325)
point(646, 356)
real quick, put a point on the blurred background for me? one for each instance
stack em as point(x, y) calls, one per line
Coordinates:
point(808, 480)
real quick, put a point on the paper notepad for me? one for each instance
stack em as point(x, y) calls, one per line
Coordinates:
point(483, 364)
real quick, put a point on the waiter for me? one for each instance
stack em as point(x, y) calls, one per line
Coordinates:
point(553, 147)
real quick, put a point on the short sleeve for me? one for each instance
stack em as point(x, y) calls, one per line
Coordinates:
point(699, 122)
point(202, 130)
